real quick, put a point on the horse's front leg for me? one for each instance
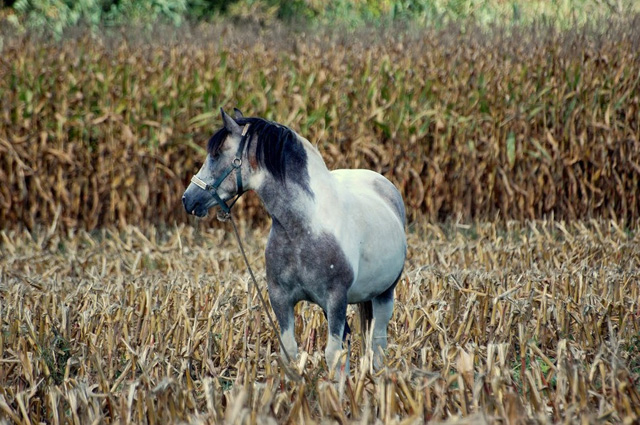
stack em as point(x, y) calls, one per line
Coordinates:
point(337, 323)
point(283, 307)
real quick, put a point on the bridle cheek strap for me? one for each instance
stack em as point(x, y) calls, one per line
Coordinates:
point(235, 165)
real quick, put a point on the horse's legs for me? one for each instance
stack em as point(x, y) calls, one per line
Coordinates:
point(382, 311)
point(283, 308)
point(337, 321)
point(346, 333)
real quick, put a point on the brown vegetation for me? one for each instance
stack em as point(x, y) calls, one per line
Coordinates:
point(513, 124)
point(510, 322)
point(534, 323)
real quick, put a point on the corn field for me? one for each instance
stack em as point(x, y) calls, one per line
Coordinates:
point(525, 123)
point(514, 323)
point(517, 151)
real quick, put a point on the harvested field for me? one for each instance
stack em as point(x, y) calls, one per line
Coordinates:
point(116, 307)
point(535, 322)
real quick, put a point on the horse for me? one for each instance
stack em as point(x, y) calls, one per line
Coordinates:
point(336, 238)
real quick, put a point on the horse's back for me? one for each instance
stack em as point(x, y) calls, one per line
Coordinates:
point(375, 215)
point(362, 183)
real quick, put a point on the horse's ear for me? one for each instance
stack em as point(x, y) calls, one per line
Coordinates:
point(237, 113)
point(229, 123)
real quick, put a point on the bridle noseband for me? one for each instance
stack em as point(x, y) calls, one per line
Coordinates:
point(235, 165)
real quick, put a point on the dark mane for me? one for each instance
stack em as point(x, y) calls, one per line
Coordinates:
point(278, 149)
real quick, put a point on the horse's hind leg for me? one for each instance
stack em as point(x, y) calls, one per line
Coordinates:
point(382, 311)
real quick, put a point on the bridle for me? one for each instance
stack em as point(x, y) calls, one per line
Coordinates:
point(213, 188)
point(235, 165)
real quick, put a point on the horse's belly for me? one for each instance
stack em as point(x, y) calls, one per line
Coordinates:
point(380, 264)
point(371, 230)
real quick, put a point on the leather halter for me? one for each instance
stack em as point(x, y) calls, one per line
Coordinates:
point(235, 165)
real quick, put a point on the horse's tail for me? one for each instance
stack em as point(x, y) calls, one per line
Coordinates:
point(365, 310)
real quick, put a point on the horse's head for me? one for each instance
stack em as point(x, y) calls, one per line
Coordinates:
point(224, 172)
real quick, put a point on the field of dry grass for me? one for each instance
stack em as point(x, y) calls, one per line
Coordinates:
point(116, 307)
point(535, 322)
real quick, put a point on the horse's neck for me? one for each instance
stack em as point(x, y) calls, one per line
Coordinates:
point(293, 206)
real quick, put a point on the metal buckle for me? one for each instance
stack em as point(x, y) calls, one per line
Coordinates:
point(199, 182)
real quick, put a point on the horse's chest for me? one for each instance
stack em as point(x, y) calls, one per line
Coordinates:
point(308, 267)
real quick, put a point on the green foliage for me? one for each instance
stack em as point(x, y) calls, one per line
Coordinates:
point(564, 13)
point(54, 16)
point(55, 356)
point(147, 12)
point(204, 9)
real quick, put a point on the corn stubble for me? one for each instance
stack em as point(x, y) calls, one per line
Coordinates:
point(514, 323)
point(523, 123)
point(135, 323)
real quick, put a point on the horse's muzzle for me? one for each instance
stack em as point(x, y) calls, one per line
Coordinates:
point(194, 208)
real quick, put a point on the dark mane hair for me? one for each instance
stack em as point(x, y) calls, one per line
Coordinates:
point(278, 149)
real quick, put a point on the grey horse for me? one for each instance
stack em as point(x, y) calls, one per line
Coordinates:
point(337, 237)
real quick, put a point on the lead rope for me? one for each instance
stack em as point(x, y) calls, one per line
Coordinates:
point(222, 216)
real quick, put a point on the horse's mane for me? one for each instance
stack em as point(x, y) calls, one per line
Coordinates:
point(278, 148)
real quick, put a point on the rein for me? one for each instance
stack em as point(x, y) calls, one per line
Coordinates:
point(225, 215)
